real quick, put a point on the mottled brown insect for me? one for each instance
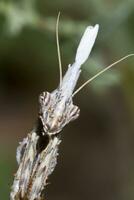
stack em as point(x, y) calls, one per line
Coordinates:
point(37, 153)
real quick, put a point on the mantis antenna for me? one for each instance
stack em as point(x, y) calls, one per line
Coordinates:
point(101, 72)
point(58, 47)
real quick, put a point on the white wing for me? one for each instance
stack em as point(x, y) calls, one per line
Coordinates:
point(86, 44)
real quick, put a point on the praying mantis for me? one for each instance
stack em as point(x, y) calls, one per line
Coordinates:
point(37, 153)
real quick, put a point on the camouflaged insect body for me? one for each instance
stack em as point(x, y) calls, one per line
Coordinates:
point(37, 153)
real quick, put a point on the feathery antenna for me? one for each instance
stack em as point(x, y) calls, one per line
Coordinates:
point(101, 72)
point(58, 47)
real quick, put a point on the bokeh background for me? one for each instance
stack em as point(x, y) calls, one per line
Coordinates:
point(97, 151)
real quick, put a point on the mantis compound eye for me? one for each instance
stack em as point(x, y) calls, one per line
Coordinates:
point(44, 99)
point(74, 113)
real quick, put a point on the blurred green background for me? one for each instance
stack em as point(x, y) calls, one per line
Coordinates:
point(97, 152)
